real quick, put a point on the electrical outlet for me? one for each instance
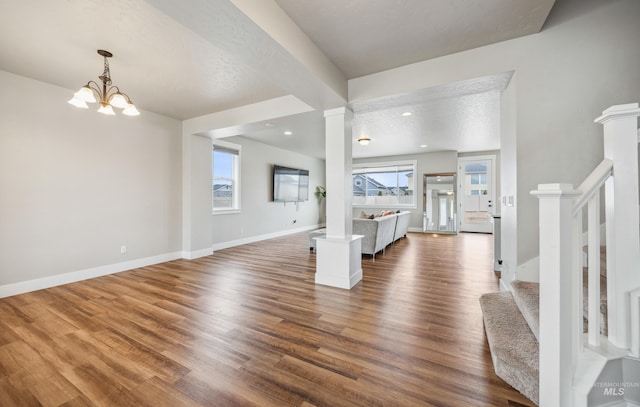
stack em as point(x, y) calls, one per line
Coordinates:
point(123, 249)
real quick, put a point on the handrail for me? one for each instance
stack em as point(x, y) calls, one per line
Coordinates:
point(592, 184)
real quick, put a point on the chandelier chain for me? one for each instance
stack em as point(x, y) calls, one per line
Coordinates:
point(106, 75)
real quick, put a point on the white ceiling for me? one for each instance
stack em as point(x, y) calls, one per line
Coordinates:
point(187, 59)
point(460, 116)
point(367, 36)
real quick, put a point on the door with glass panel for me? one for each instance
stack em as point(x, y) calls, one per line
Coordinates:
point(476, 184)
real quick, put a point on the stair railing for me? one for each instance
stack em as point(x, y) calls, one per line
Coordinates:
point(561, 230)
point(589, 196)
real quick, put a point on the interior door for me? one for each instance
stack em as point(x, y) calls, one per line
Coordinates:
point(476, 189)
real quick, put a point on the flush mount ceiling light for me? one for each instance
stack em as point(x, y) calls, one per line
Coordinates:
point(364, 140)
point(288, 133)
point(406, 114)
point(108, 96)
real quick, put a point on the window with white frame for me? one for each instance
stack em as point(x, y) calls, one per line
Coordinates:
point(475, 179)
point(386, 185)
point(225, 179)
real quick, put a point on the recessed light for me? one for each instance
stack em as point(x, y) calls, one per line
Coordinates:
point(423, 146)
point(268, 124)
point(406, 114)
point(364, 140)
point(288, 133)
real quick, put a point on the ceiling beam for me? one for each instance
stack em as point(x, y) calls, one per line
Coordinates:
point(260, 35)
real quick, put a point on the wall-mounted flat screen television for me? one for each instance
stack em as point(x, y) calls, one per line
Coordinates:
point(290, 184)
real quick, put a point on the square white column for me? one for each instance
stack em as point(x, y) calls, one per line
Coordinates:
point(339, 257)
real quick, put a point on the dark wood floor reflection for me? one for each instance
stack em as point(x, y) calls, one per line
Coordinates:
point(248, 327)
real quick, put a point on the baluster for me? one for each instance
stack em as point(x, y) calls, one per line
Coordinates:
point(593, 226)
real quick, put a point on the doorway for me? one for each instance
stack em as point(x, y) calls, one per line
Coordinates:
point(439, 203)
point(476, 189)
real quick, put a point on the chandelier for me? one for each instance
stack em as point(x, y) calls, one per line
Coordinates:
point(108, 96)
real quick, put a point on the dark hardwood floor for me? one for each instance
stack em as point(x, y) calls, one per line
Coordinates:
point(248, 327)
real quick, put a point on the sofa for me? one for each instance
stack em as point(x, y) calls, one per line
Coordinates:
point(402, 225)
point(380, 232)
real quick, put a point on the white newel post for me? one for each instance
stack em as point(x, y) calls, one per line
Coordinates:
point(622, 220)
point(339, 254)
point(556, 294)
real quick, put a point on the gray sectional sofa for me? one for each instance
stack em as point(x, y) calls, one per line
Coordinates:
point(380, 232)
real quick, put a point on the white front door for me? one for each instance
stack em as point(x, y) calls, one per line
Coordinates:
point(476, 180)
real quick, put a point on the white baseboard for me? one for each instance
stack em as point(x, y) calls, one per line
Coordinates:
point(257, 238)
point(504, 286)
point(22, 287)
point(415, 230)
point(338, 281)
point(197, 254)
point(529, 271)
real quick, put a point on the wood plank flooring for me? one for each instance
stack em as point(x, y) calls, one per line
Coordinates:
point(248, 327)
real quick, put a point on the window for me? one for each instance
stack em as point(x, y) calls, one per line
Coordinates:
point(475, 179)
point(479, 179)
point(225, 176)
point(385, 185)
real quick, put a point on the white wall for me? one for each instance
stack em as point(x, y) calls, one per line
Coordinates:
point(575, 69)
point(427, 163)
point(508, 186)
point(260, 216)
point(585, 59)
point(196, 196)
point(75, 185)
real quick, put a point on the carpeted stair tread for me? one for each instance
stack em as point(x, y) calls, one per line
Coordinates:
point(514, 348)
point(527, 297)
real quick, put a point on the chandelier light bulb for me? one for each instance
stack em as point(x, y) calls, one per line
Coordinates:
point(106, 109)
point(85, 94)
point(78, 103)
point(118, 100)
point(131, 110)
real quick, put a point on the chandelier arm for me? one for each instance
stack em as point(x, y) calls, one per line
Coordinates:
point(127, 96)
point(93, 85)
point(108, 95)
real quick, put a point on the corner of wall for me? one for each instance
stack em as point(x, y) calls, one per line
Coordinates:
point(529, 271)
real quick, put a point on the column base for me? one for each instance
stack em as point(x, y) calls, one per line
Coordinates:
point(339, 261)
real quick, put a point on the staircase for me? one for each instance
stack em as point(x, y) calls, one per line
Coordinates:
point(513, 345)
point(570, 339)
point(512, 324)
